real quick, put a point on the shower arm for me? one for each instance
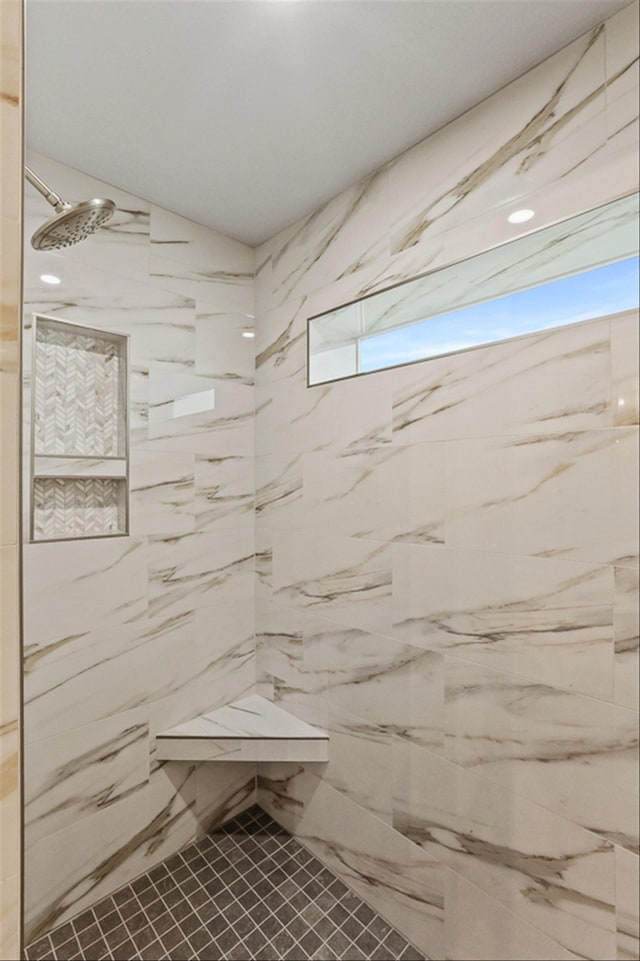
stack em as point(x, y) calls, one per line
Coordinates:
point(55, 201)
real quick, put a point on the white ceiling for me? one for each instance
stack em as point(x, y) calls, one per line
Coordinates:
point(246, 114)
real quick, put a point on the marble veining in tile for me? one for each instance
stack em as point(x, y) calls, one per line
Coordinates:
point(576, 756)
point(553, 874)
point(538, 617)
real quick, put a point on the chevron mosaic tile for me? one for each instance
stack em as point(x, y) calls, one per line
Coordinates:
point(79, 391)
point(80, 420)
point(78, 507)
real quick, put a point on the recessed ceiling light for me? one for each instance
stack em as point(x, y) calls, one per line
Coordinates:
point(248, 333)
point(521, 216)
point(49, 279)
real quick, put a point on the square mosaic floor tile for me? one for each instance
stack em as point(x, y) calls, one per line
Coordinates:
point(245, 893)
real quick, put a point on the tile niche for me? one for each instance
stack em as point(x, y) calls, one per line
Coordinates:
point(79, 440)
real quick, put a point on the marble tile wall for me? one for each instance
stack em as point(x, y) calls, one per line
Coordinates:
point(128, 636)
point(447, 555)
point(11, 101)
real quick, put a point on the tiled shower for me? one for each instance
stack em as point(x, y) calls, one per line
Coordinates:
point(437, 565)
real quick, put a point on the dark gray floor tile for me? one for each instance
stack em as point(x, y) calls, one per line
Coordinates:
point(248, 892)
point(40, 950)
point(62, 934)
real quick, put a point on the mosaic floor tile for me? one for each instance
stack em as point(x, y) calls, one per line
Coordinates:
point(249, 892)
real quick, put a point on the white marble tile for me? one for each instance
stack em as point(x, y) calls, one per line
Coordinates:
point(76, 585)
point(224, 492)
point(363, 411)
point(222, 666)
point(148, 825)
point(226, 291)
point(263, 564)
point(225, 645)
point(190, 571)
point(181, 404)
point(161, 323)
point(67, 871)
point(301, 419)
point(227, 431)
point(396, 688)
point(198, 262)
point(193, 244)
point(281, 344)
point(360, 764)
point(72, 775)
point(92, 651)
point(169, 381)
point(360, 236)
point(626, 617)
point(162, 492)
point(352, 494)
point(575, 755)
point(625, 350)
point(544, 619)
point(279, 633)
point(221, 350)
point(386, 870)
point(82, 467)
point(531, 132)
point(138, 405)
point(544, 383)
point(86, 676)
point(263, 435)
point(348, 578)
point(627, 898)
point(527, 495)
point(388, 493)
point(478, 928)
point(226, 428)
point(279, 491)
point(249, 718)
point(621, 49)
point(294, 699)
point(551, 873)
point(202, 750)
point(339, 238)
point(223, 791)
point(379, 275)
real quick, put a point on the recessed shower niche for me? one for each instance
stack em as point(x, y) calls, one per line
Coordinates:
point(79, 434)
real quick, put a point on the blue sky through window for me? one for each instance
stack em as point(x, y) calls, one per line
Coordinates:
point(593, 293)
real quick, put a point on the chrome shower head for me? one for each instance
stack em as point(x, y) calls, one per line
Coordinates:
point(72, 223)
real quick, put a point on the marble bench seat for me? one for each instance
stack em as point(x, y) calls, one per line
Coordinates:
point(250, 729)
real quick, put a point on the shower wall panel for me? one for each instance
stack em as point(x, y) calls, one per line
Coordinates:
point(446, 553)
point(11, 106)
point(127, 636)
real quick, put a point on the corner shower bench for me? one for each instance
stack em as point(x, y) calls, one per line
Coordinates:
point(250, 729)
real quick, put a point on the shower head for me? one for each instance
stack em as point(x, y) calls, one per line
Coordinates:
point(72, 223)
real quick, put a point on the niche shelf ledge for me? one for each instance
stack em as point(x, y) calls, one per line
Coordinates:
point(250, 729)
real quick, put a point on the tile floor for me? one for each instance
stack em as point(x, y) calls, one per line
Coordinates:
point(249, 891)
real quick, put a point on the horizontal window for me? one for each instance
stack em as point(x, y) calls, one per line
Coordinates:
point(577, 270)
